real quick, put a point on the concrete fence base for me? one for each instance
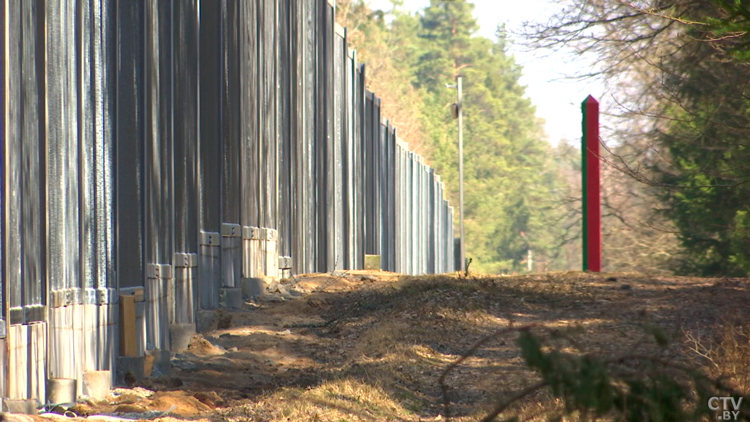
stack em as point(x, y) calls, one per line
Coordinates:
point(158, 305)
point(97, 384)
point(180, 336)
point(67, 348)
point(252, 260)
point(253, 287)
point(230, 297)
point(62, 391)
point(285, 266)
point(231, 255)
point(27, 361)
point(270, 252)
point(209, 270)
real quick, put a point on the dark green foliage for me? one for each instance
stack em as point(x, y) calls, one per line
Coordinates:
point(582, 382)
point(508, 173)
point(631, 388)
point(731, 21)
point(707, 179)
point(510, 178)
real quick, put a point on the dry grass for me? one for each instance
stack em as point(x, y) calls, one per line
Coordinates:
point(333, 401)
point(724, 353)
point(360, 350)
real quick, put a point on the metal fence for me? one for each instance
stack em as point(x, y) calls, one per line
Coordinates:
point(175, 149)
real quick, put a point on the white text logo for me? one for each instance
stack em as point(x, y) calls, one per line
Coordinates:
point(722, 404)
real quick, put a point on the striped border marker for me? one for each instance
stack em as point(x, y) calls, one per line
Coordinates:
point(591, 203)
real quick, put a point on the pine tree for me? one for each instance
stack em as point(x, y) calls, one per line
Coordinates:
point(509, 176)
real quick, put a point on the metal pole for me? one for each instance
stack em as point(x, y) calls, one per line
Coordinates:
point(461, 176)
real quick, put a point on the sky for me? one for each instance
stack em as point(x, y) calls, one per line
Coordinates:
point(557, 99)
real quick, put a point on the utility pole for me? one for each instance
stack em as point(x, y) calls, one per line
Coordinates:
point(529, 260)
point(457, 110)
point(461, 174)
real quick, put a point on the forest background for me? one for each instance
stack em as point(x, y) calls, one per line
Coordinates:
point(675, 163)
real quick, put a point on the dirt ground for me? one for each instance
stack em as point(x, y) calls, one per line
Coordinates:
point(370, 346)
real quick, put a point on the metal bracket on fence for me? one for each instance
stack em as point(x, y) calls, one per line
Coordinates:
point(285, 262)
point(231, 230)
point(16, 315)
point(68, 297)
point(34, 313)
point(210, 239)
point(138, 292)
point(185, 260)
point(270, 235)
point(89, 296)
point(57, 298)
point(105, 296)
point(75, 296)
point(159, 271)
point(101, 296)
point(251, 233)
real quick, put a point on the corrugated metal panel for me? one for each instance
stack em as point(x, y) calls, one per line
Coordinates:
point(349, 175)
point(249, 139)
point(268, 50)
point(285, 87)
point(129, 148)
point(326, 78)
point(186, 126)
point(63, 183)
point(96, 61)
point(185, 162)
point(25, 153)
point(158, 156)
point(104, 47)
point(338, 91)
point(210, 153)
point(311, 142)
point(390, 193)
point(159, 121)
point(3, 155)
point(228, 114)
point(211, 72)
point(298, 234)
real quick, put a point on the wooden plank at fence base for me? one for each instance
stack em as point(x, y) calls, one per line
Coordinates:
point(372, 262)
point(128, 332)
point(590, 184)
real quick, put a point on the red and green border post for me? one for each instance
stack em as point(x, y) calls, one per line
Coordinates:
point(591, 205)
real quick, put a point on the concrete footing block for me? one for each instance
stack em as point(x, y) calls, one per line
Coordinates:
point(157, 362)
point(253, 287)
point(285, 267)
point(132, 365)
point(204, 320)
point(97, 384)
point(230, 297)
point(270, 252)
point(27, 360)
point(62, 391)
point(180, 336)
point(22, 406)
